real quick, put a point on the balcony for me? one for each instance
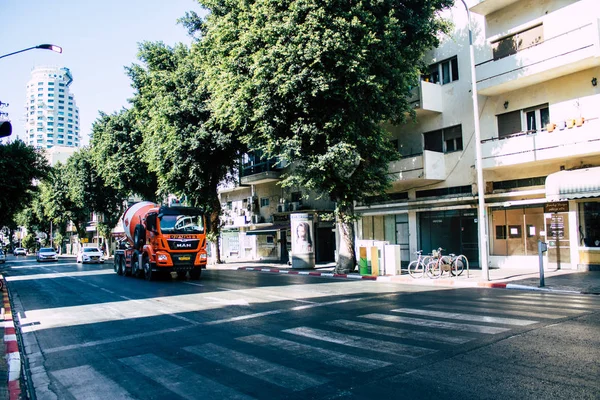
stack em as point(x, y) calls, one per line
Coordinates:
point(561, 54)
point(561, 144)
point(485, 7)
point(255, 170)
point(430, 166)
point(427, 98)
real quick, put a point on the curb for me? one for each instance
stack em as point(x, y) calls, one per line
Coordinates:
point(11, 348)
point(412, 281)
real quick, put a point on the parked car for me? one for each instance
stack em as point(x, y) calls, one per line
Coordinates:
point(2, 257)
point(46, 254)
point(19, 251)
point(90, 255)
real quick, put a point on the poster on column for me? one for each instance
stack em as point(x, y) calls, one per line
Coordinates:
point(303, 241)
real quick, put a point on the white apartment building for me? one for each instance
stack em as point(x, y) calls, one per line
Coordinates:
point(52, 116)
point(537, 65)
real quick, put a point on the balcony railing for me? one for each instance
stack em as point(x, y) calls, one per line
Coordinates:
point(562, 54)
point(427, 166)
point(539, 146)
point(260, 171)
point(427, 98)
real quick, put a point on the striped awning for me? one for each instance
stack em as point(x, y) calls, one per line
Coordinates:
point(575, 184)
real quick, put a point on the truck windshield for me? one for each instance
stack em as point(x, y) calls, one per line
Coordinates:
point(182, 224)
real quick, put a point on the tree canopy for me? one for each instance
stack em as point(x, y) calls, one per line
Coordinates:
point(21, 166)
point(312, 82)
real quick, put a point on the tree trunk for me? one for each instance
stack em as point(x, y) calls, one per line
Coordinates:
point(215, 221)
point(346, 261)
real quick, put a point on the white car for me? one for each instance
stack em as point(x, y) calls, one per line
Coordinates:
point(46, 254)
point(90, 255)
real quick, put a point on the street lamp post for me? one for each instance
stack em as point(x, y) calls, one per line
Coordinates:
point(481, 214)
point(51, 47)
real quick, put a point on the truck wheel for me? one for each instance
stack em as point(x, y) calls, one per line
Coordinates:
point(116, 265)
point(136, 269)
point(121, 266)
point(148, 269)
point(195, 274)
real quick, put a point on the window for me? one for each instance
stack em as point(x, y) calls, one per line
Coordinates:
point(61, 118)
point(533, 119)
point(517, 42)
point(61, 96)
point(40, 89)
point(61, 90)
point(264, 201)
point(50, 123)
point(40, 83)
point(50, 94)
point(444, 140)
point(51, 84)
point(61, 102)
point(517, 230)
point(509, 123)
point(443, 72)
point(589, 224)
point(61, 142)
point(536, 118)
point(61, 84)
point(50, 89)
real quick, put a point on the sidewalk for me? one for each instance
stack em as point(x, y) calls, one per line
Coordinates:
point(526, 277)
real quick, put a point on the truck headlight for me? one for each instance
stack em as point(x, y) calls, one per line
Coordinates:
point(203, 256)
point(162, 257)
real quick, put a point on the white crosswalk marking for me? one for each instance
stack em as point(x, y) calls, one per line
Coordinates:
point(518, 307)
point(327, 357)
point(403, 350)
point(562, 299)
point(465, 317)
point(84, 382)
point(273, 373)
point(398, 332)
point(540, 303)
point(179, 380)
point(496, 311)
point(437, 324)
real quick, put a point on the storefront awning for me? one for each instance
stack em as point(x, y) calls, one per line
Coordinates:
point(575, 184)
point(269, 230)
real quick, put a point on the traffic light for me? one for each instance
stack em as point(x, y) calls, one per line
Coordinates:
point(5, 129)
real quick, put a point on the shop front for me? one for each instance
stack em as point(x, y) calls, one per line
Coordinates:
point(455, 231)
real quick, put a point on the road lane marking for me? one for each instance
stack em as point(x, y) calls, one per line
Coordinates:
point(465, 317)
point(398, 332)
point(324, 356)
point(381, 346)
point(276, 374)
point(518, 307)
point(84, 382)
point(179, 380)
point(437, 324)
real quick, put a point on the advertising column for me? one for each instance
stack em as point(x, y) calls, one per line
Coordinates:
point(303, 245)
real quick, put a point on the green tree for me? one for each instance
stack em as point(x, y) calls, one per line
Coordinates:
point(312, 82)
point(21, 165)
point(117, 154)
point(189, 156)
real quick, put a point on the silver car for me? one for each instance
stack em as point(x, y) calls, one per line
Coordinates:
point(46, 254)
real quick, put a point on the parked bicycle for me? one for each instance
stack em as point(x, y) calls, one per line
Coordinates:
point(438, 264)
point(417, 268)
point(456, 264)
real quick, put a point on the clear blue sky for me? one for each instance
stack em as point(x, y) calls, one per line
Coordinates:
point(99, 38)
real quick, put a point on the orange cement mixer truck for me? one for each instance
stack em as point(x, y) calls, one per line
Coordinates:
point(160, 240)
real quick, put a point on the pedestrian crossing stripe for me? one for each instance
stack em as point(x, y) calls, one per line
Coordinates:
point(465, 317)
point(492, 330)
point(519, 307)
point(178, 379)
point(535, 303)
point(399, 333)
point(381, 346)
point(324, 356)
point(84, 382)
point(276, 374)
point(483, 310)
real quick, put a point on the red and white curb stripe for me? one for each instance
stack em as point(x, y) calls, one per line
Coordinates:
point(11, 348)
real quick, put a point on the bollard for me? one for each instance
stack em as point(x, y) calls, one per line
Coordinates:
point(542, 247)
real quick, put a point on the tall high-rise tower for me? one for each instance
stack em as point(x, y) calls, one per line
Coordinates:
point(52, 118)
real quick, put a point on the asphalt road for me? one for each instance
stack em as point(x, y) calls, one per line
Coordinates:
point(91, 334)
